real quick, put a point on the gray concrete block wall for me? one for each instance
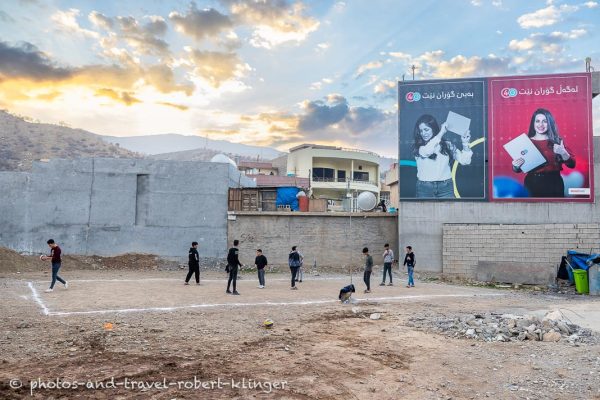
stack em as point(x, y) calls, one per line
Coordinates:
point(464, 245)
point(89, 207)
point(421, 223)
point(333, 239)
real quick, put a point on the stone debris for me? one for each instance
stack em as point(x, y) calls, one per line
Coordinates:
point(490, 327)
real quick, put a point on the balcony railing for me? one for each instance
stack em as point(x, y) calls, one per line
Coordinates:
point(342, 180)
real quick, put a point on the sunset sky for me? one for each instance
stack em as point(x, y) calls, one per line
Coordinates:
point(274, 73)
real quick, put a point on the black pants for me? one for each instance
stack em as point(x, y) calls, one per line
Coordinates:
point(233, 271)
point(387, 268)
point(367, 279)
point(294, 273)
point(193, 269)
point(545, 184)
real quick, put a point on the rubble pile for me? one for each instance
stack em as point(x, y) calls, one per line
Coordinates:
point(492, 327)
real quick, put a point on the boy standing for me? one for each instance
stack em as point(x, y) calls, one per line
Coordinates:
point(233, 262)
point(294, 261)
point(54, 257)
point(368, 269)
point(388, 259)
point(261, 263)
point(409, 261)
point(193, 264)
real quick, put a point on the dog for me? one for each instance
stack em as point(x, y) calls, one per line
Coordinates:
point(346, 293)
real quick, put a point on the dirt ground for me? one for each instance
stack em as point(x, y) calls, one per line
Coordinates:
point(170, 341)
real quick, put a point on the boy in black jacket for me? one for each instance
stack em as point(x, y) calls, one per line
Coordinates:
point(410, 262)
point(233, 262)
point(193, 264)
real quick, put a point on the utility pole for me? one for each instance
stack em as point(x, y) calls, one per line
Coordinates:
point(413, 67)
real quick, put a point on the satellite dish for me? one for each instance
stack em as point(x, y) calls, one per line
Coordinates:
point(222, 158)
point(366, 201)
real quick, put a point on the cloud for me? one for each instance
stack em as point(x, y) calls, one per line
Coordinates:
point(274, 22)
point(100, 20)
point(201, 24)
point(126, 98)
point(591, 4)
point(180, 107)
point(320, 114)
point(366, 67)
point(546, 16)
point(334, 114)
point(4, 17)
point(143, 38)
point(386, 87)
point(547, 42)
point(217, 67)
point(26, 61)
point(162, 78)
point(66, 22)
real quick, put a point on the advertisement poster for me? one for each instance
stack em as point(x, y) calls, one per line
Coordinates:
point(442, 139)
point(540, 130)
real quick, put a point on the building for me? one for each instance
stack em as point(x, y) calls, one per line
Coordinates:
point(335, 173)
point(391, 182)
point(257, 168)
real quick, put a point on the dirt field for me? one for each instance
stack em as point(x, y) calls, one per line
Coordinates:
point(168, 340)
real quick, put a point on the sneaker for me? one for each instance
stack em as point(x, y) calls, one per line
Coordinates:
point(260, 286)
point(300, 281)
point(382, 284)
point(412, 285)
point(367, 291)
point(228, 291)
point(390, 284)
point(198, 283)
point(66, 285)
point(235, 292)
point(186, 283)
point(49, 290)
point(408, 286)
point(294, 288)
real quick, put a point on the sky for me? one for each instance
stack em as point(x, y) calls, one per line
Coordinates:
point(270, 72)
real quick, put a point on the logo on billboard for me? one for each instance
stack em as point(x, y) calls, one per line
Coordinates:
point(508, 92)
point(413, 96)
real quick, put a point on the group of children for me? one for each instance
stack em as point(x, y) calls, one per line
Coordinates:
point(295, 262)
point(388, 260)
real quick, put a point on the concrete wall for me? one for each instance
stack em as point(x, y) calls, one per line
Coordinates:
point(465, 245)
point(420, 223)
point(332, 239)
point(115, 206)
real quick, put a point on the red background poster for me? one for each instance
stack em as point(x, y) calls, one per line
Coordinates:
point(512, 102)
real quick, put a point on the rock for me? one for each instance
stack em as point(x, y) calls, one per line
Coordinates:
point(563, 328)
point(554, 316)
point(375, 316)
point(511, 323)
point(470, 332)
point(23, 325)
point(502, 338)
point(552, 336)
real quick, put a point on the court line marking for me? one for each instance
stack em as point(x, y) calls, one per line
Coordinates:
point(46, 311)
point(37, 299)
point(224, 279)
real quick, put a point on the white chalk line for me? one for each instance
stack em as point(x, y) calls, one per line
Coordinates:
point(224, 279)
point(267, 303)
point(37, 299)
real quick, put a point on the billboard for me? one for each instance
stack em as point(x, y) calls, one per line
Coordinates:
point(442, 133)
point(540, 130)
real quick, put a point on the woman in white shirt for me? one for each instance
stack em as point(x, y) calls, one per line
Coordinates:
point(434, 154)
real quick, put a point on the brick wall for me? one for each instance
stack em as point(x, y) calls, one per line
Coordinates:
point(464, 245)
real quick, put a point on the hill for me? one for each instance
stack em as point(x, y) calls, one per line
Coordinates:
point(22, 142)
point(171, 143)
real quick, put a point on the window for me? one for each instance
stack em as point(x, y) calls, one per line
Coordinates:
point(341, 175)
point(323, 174)
point(361, 176)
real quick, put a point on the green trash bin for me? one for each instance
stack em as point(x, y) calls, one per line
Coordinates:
point(581, 281)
